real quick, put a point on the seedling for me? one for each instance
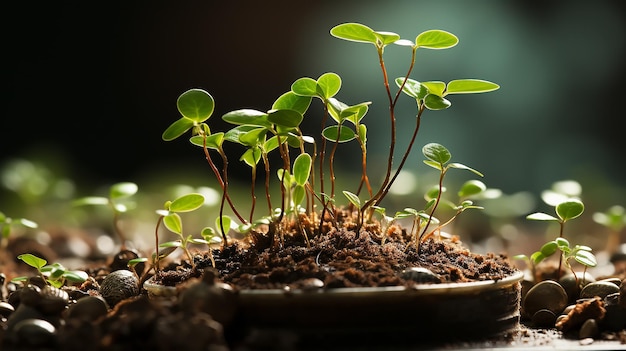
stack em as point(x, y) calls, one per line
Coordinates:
point(119, 202)
point(614, 219)
point(302, 175)
point(565, 210)
point(54, 274)
point(170, 217)
point(6, 223)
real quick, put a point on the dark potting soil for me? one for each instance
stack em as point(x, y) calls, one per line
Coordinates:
point(339, 258)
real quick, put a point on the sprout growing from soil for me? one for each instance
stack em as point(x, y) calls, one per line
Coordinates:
point(119, 202)
point(170, 217)
point(614, 219)
point(54, 274)
point(305, 195)
point(7, 223)
point(566, 210)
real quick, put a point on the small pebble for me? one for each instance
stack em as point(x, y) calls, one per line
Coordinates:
point(119, 285)
point(546, 294)
point(600, 288)
point(589, 329)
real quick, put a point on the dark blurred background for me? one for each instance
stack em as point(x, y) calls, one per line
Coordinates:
point(90, 86)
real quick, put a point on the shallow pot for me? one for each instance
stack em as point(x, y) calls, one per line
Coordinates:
point(424, 313)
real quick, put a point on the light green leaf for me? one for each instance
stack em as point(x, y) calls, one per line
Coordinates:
point(33, 260)
point(540, 216)
point(471, 187)
point(586, 258)
point(285, 118)
point(186, 203)
point(435, 87)
point(226, 221)
point(292, 101)
point(177, 129)
point(298, 194)
point(170, 244)
point(387, 38)
point(354, 32)
point(470, 86)
point(305, 87)
point(570, 209)
point(549, 248)
point(196, 104)
point(302, 168)
point(352, 198)
point(91, 200)
point(328, 84)
point(174, 223)
point(251, 156)
point(412, 88)
point(330, 133)
point(253, 137)
point(247, 116)
point(462, 166)
point(121, 190)
point(436, 39)
point(435, 102)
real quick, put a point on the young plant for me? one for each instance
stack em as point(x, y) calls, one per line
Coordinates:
point(614, 219)
point(566, 210)
point(438, 157)
point(278, 128)
point(170, 217)
point(6, 223)
point(54, 274)
point(119, 202)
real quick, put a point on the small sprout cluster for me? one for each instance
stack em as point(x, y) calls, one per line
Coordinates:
point(7, 223)
point(307, 162)
point(53, 274)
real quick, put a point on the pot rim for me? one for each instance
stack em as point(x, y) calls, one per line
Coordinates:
point(416, 289)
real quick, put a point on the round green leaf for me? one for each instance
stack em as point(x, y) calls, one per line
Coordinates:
point(570, 209)
point(187, 203)
point(302, 168)
point(196, 104)
point(177, 129)
point(285, 118)
point(437, 153)
point(173, 222)
point(305, 87)
point(436, 39)
point(354, 32)
point(253, 137)
point(470, 86)
point(213, 141)
point(436, 102)
point(292, 101)
point(91, 200)
point(76, 276)
point(472, 187)
point(328, 85)
point(435, 87)
point(224, 221)
point(330, 133)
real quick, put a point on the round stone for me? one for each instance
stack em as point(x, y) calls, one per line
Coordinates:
point(589, 329)
point(119, 285)
point(544, 319)
point(35, 333)
point(546, 294)
point(600, 288)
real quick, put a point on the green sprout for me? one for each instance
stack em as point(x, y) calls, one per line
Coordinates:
point(614, 219)
point(6, 223)
point(170, 217)
point(54, 274)
point(118, 201)
point(303, 179)
point(566, 210)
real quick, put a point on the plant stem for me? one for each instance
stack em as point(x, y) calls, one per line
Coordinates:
point(156, 244)
point(432, 212)
point(558, 273)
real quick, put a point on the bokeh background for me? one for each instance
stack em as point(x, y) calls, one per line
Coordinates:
point(90, 87)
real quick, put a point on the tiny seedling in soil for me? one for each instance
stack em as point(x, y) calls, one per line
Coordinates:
point(566, 210)
point(118, 201)
point(614, 219)
point(54, 274)
point(7, 223)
